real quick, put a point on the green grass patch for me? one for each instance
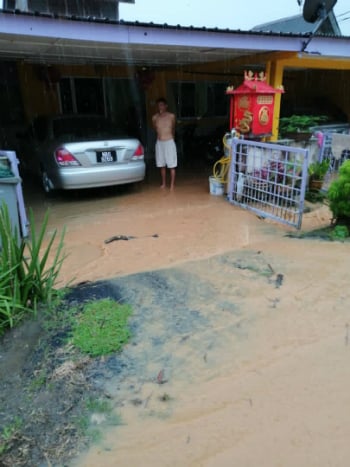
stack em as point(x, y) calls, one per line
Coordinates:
point(340, 232)
point(329, 233)
point(39, 381)
point(8, 433)
point(98, 405)
point(101, 327)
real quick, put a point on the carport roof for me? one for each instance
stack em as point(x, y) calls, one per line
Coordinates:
point(42, 38)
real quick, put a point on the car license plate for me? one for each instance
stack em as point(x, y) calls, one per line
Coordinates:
point(106, 156)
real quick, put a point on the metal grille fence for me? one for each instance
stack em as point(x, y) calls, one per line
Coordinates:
point(335, 150)
point(269, 179)
point(326, 151)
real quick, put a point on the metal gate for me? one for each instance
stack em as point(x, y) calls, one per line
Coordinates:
point(268, 179)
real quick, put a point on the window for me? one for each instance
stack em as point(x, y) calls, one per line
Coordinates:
point(184, 98)
point(217, 101)
point(89, 95)
point(205, 99)
point(82, 95)
point(11, 108)
point(66, 95)
point(119, 99)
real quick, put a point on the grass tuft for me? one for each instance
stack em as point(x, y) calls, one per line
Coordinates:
point(102, 327)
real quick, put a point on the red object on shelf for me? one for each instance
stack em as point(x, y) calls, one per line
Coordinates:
point(252, 106)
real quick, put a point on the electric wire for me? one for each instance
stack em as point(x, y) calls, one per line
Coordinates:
point(343, 14)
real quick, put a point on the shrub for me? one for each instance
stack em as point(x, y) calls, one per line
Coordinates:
point(339, 195)
point(26, 278)
point(300, 123)
point(340, 232)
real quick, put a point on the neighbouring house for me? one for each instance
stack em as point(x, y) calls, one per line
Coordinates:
point(298, 102)
point(297, 25)
point(80, 8)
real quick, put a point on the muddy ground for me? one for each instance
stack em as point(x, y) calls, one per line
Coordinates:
point(46, 385)
point(239, 342)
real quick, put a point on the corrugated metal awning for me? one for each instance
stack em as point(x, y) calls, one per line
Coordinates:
point(55, 39)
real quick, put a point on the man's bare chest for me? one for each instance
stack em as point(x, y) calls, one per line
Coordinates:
point(164, 121)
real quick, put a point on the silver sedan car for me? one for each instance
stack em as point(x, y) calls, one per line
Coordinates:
point(80, 151)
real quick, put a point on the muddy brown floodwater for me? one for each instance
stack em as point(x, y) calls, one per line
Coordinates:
point(240, 351)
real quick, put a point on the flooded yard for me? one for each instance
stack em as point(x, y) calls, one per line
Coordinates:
point(240, 344)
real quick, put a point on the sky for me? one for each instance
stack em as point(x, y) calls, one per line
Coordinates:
point(232, 14)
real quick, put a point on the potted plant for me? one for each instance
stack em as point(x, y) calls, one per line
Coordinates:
point(317, 171)
point(298, 127)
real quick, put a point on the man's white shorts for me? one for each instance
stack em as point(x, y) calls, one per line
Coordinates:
point(166, 154)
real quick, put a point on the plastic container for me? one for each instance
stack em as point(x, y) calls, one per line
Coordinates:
point(8, 197)
point(216, 187)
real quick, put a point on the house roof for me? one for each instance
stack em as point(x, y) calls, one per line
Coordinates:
point(45, 38)
point(297, 25)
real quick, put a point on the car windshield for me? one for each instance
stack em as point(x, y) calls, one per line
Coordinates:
point(87, 127)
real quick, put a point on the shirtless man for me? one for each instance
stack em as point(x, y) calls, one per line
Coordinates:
point(166, 154)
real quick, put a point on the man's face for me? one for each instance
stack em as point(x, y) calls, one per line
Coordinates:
point(162, 107)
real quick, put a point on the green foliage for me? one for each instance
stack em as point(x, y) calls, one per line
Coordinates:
point(317, 170)
point(339, 194)
point(98, 405)
point(8, 434)
point(86, 423)
point(340, 232)
point(11, 312)
point(26, 278)
point(328, 233)
point(101, 328)
point(39, 380)
point(314, 196)
point(300, 123)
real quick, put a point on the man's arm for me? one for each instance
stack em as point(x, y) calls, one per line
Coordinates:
point(173, 124)
point(154, 121)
